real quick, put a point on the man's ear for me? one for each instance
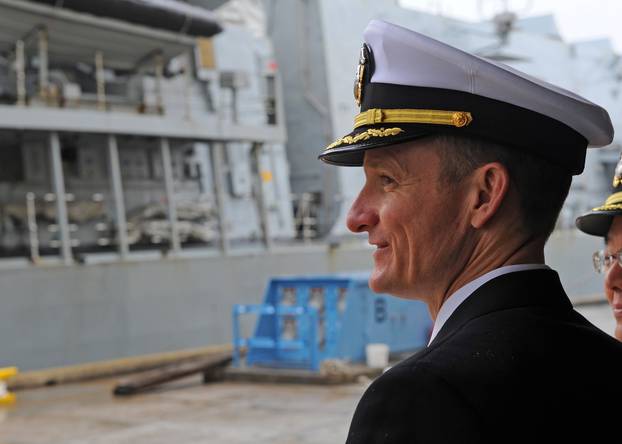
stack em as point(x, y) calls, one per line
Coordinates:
point(491, 183)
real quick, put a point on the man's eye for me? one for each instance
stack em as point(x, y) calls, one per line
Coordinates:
point(386, 180)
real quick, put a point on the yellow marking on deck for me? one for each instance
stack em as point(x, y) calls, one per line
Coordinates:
point(6, 397)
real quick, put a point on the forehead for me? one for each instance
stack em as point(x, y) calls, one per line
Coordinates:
point(614, 236)
point(405, 156)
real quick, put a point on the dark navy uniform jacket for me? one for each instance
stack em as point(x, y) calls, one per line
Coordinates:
point(514, 363)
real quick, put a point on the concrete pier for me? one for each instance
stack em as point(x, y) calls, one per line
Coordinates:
point(188, 412)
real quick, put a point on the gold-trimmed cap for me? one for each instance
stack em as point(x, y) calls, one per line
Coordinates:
point(409, 86)
point(598, 220)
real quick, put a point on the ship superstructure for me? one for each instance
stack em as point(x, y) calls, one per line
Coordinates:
point(155, 137)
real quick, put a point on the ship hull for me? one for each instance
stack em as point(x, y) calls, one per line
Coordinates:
point(62, 315)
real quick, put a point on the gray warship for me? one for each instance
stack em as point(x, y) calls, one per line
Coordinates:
point(158, 160)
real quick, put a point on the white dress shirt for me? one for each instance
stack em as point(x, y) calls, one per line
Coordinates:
point(460, 295)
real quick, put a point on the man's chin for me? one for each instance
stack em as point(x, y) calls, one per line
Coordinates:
point(378, 283)
point(381, 282)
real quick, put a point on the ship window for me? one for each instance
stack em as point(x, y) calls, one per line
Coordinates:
point(270, 100)
point(12, 165)
point(69, 157)
point(134, 163)
point(191, 168)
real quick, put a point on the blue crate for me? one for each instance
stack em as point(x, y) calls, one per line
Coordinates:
point(306, 320)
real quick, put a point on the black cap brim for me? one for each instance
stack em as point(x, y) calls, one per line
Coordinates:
point(354, 154)
point(597, 223)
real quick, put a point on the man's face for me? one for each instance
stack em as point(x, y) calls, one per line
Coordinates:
point(613, 275)
point(412, 219)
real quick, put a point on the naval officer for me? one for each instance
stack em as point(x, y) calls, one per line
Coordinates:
point(606, 221)
point(467, 164)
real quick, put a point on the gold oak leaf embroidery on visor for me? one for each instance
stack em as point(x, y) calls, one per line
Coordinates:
point(615, 198)
point(365, 135)
point(613, 202)
point(608, 207)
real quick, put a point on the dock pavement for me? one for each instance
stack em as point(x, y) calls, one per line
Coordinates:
point(189, 412)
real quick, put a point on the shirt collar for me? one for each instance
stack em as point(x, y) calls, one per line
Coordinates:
point(460, 295)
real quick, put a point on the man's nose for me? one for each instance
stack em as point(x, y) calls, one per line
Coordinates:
point(362, 215)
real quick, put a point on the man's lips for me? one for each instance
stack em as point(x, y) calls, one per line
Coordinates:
point(381, 249)
point(379, 245)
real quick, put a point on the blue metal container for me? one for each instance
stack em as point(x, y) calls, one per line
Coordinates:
point(306, 320)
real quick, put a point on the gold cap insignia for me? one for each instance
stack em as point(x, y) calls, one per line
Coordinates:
point(359, 78)
point(617, 175)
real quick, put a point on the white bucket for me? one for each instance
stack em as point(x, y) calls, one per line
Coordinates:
point(377, 355)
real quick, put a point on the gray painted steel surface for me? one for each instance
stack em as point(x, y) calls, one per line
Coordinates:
point(56, 315)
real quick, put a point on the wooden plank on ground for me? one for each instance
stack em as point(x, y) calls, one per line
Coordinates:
point(106, 369)
point(209, 366)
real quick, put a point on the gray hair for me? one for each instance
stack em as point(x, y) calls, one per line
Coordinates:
point(541, 185)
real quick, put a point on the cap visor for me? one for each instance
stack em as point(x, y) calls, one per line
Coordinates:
point(353, 154)
point(597, 223)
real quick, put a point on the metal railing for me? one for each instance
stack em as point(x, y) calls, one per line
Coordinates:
point(271, 347)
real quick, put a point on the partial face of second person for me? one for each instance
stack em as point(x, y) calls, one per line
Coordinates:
point(414, 220)
point(613, 276)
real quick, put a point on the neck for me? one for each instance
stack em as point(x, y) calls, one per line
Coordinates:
point(488, 256)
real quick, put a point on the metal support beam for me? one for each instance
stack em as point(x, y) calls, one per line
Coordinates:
point(159, 73)
point(117, 194)
point(165, 149)
point(20, 72)
point(187, 84)
point(261, 195)
point(100, 81)
point(43, 63)
point(33, 230)
point(234, 105)
point(61, 205)
point(91, 121)
point(217, 155)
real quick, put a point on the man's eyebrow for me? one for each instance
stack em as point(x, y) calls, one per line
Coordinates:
point(390, 162)
point(374, 164)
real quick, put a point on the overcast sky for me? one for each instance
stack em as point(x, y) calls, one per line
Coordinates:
point(576, 19)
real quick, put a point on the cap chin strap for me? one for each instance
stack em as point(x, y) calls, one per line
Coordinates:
point(430, 116)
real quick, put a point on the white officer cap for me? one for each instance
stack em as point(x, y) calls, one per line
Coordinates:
point(409, 86)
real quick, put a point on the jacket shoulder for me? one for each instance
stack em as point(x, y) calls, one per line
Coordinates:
point(409, 395)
